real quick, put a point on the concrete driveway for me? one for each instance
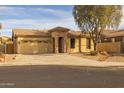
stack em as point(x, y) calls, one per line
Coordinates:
point(55, 59)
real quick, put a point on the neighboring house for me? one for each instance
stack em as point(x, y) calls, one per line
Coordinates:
point(112, 41)
point(56, 40)
point(5, 43)
point(6, 39)
point(113, 36)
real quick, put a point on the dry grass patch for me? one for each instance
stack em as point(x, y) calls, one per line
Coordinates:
point(97, 57)
point(103, 57)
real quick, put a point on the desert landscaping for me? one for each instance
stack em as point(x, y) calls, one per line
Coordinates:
point(100, 57)
point(103, 57)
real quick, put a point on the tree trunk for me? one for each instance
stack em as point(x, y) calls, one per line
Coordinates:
point(94, 45)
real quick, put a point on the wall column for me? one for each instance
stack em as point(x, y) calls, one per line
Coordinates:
point(65, 44)
point(113, 39)
point(56, 45)
point(79, 44)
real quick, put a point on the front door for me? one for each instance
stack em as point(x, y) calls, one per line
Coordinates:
point(61, 45)
point(53, 45)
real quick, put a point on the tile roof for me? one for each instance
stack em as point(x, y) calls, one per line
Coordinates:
point(30, 32)
point(114, 33)
point(59, 29)
point(74, 33)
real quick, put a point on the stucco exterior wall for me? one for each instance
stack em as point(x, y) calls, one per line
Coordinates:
point(112, 47)
point(77, 45)
point(56, 42)
point(73, 50)
point(83, 46)
point(34, 45)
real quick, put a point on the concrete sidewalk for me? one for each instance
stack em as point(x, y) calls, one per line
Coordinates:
point(57, 59)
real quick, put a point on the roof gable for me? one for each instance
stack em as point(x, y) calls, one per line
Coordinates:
point(59, 29)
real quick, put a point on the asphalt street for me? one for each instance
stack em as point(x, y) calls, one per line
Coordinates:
point(61, 76)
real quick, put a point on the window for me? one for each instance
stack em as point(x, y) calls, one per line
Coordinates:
point(72, 43)
point(88, 43)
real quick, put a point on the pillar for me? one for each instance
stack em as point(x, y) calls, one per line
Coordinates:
point(79, 44)
point(56, 45)
point(113, 39)
point(65, 44)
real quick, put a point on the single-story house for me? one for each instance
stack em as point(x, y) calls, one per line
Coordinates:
point(56, 40)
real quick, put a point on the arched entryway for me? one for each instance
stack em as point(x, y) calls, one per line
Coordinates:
point(58, 45)
point(61, 44)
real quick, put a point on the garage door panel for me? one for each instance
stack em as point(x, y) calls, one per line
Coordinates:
point(35, 47)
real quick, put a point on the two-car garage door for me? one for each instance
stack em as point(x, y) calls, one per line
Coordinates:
point(35, 46)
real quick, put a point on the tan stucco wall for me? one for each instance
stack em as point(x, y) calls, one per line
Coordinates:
point(83, 45)
point(112, 47)
point(73, 50)
point(35, 46)
point(59, 34)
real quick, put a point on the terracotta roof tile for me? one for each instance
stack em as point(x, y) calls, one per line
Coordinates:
point(113, 33)
point(30, 32)
point(59, 29)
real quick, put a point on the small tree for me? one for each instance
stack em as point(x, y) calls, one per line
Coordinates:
point(93, 19)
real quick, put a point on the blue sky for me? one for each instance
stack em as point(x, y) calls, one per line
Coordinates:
point(37, 17)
